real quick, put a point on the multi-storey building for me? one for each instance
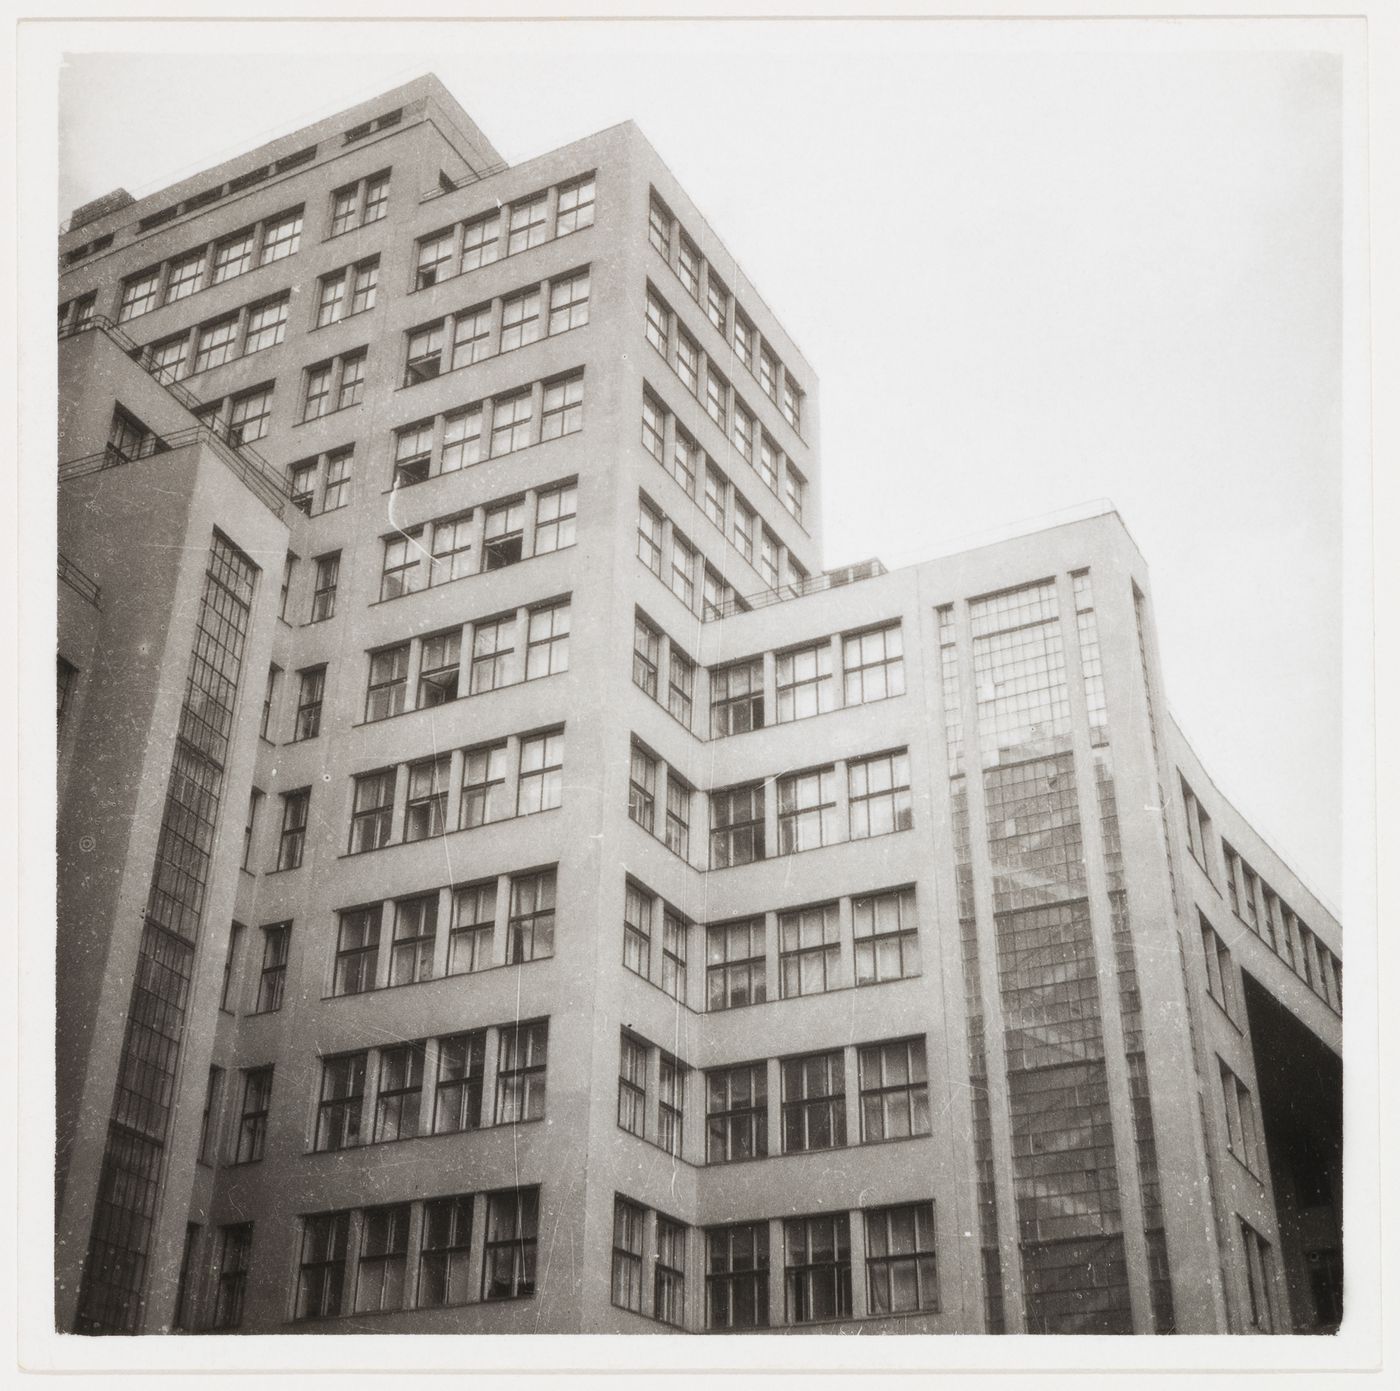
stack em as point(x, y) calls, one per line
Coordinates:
point(507, 885)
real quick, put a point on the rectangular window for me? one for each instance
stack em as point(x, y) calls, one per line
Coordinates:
point(668, 1301)
point(814, 1102)
point(685, 461)
point(461, 1068)
point(330, 306)
point(512, 1234)
point(214, 343)
point(1220, 968)
point(1241, 1123)
point(649, 532)
point(717, 402)
point(674, 934)
point(452, 549)
point(688, 265)
point(556, 514)
point(632, 1087)
point(520, 319)
point(435, 258)
point(658, 323)
point(807, 811)
point(736, 969)
point(383, 1258)
point(541, 785)
point(809, 950)
point(321, 1271)
point(364, 285)
point(234, 255)
point(209, 1121)
point(805, 685)
point(357, 951)
point(688, 361)
point(439, 662)
point(471, 336)
point(166, 359)
point(736, 1113)
point(140, 294)
point(636, 932)
point(267, 324)
point(388, 683)
point(678, 797)
point(575, 206)
point(716, 495)
point(481, 241)
point(272, 979)
point(683, 570)
point(641, 790)
point(473, 929)
point(281, 236)
point(1259, 1278)
point(646, 656)
point(745, 528)
point(736, 826)
point(493, 652)
point(794, 493)
point(893, 1090)
point(372, 816)
point(874, 665)
point(792, 403)
point(404, 571)
point(659, 223)
point(680, 681)
point(249, 416)
point(504, 536)
point(252, 1120)
point(311, 695)
point(568, 303)
point(413, 453)
point(352, 380)
point(886, 928)
point(446, 1252)
point(745, 338)
point(629, 1220)
point(424, 354)
point(323, 595)
point(510, 423)
point(520, 1076)
point(901, 1264)
point(399, 1100)
point(342, 1098)
point(415, 933)
point(717, 304)
point(654, 427)
point(526, 227)
point(818, 1283)
point(530, 930)
point(736, 698)
point(235, 1257)
point(186, 275)
point(484, 786)
point(768, 557)
point(426, 814)
point(736, 1276)
point(292, 842)
point(563, 408)
point(880, 798)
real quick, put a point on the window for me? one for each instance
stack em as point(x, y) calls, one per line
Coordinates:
point(424, 354)
point(77, 314)
point(563, 408)
point(658, 324)
point(461, 442)
point(806, 810)
point(352, 380)
point(736, 1276)
point(398, 1103)
point(768, 373)
point(231, 957)
point(249, 416)
point(214, 344)
point(541, 785)
point(683, 570)
point(364, 285)
point(446, 1250)
point(668, 1300)
point(483, 786)
point(274, 675)
point(235, 1256)
point(1241, 1123)
point(736, 698)
point(736, 826)
point(1220, 968)
point(1259, 1278)
point(805, 685)
point(510, 423)
point(252, 1122)
point(310, 697)
point(629, 1221)
point(383, 1258)
point(234, 255)
point(649, 530)
point(678, 797)
point(139, 294)
point(292, 843)
point(357, 951)
point(717, 403)
point(254, 802)
point(716, 495)
point(575, 206)
point(526, 227)
point(281, 236)
point(736, 1113)
point(717, 304)
point(745, 528)
point(893, 1090)
point(814, 1102)
point(818, 1283)
point(129, 439)
point(688, 265)
point(493, 648)
point(520, 1079)
point(685, 461)
point(530, 930)
point(520, 319)
point(461, 1068)
point(641, 791)
point(359, 204)
point(512, 1230)
point(809, 953)
point(473, 928)
point(267, 324)
point(654, 427)
point(568, 303)
point(471, 336)
point(372, 815)
point(412, 452)
point(886, 936)
point(505, 535)
point(680, 694)
point(166, 359)
point(901, 1266)
point(659, 223)
point(674, 933)
point(879, 794)
point(426, 814)
point(342, 1095)
point(439, 661)
point(388, 683)
point(795, 495)
point(452, 549)
point(330, 304)
point(632, 1087)
point(555, 515)
point(874, 665)
point(318, 391)
point(272, 979)
point(209, 1121)
point(323, 595)
point(415, 933)
point(435, 258)
point(792, 403)
point(688, 361)
point(481, 241)
point(321, 1273)
point(636, 932)
point(646, 656)
point(736, 971)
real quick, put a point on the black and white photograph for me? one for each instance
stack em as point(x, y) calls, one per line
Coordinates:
point(713, 678)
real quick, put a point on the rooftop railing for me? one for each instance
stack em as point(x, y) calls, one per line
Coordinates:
point(79, 581)
point(798, 589)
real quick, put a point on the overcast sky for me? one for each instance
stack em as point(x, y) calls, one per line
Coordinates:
point(1027, 277)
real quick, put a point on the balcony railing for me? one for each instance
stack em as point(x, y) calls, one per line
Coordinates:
point(266, 481)
point(79, 581)
point(813, 584)
point(445, 186)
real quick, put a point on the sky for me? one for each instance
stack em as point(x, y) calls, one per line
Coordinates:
point(1029, 274)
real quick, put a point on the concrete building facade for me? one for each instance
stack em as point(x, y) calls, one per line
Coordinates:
point(507, 885)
